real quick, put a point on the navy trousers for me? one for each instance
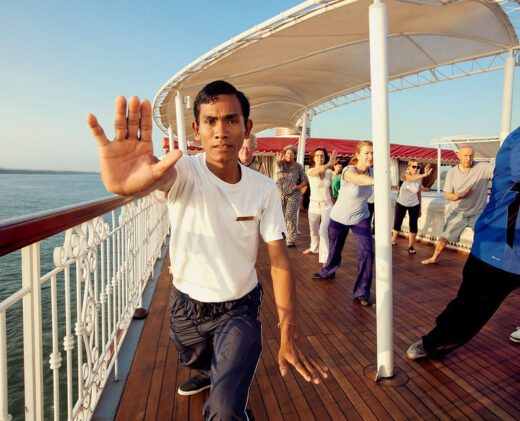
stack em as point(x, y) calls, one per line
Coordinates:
point(222, 340)
point(483, 289)
point(337, 236)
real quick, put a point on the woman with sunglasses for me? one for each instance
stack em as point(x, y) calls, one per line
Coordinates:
point(409, 200)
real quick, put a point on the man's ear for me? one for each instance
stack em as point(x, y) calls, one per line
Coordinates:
point(195, 129)
point(249, 126)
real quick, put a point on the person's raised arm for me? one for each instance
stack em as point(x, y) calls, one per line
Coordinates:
point(320, 169)
point(279, 158)
point(409, 177)
point(127, 163)
point(356, 178)
point(285, 298)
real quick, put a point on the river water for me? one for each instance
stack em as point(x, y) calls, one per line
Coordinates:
point(22, 194)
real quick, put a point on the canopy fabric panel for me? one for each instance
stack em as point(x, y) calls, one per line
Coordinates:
point(319, 51)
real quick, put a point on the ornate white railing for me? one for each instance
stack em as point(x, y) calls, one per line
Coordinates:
point(77, 314)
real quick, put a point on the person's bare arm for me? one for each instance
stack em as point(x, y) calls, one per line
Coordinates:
point(285, 297)
point(279, 158)
point(458, 196)
point(361, 179)
point(409, 177)
point(127, 163)
point(320, 169)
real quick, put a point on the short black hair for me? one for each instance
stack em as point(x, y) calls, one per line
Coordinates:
point(213, 90)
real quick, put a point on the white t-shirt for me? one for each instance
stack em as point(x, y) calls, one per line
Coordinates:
point(320, 188)
point(215, 227)
point(408, 193)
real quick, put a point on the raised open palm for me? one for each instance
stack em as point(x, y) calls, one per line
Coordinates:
point(128, 165)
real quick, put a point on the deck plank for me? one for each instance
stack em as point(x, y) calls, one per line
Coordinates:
point(477, 381)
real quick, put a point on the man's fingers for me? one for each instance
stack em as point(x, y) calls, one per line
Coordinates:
point(300, 368)
point(283, 366)
point(120, 123)
point(134, 106)
point(321, 368)
point(97, 130)
point(146, 121)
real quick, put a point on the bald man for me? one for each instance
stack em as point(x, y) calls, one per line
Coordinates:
point(466, 187)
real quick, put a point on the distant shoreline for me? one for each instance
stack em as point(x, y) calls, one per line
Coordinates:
point(13, 171)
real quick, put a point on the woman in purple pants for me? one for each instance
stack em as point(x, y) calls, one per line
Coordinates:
point(351, 212)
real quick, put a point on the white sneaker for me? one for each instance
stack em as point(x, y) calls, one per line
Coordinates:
point(416, 351)
point(515, 336)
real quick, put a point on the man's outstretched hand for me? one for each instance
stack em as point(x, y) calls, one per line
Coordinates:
point(128, 165)
point(306, 364)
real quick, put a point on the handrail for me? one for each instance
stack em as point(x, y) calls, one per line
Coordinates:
point(77, 295)
point(18, 232)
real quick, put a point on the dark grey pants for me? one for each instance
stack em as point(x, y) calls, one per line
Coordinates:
point(222, 340)
point(483, 289)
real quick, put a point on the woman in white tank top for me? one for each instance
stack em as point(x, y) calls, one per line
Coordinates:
point(319, 176)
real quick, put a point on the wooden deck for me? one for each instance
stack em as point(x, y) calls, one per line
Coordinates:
point(478, 381)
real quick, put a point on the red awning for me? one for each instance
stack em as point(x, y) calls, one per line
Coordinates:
point(346, 147)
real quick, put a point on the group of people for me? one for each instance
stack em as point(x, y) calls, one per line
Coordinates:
point(217, 209)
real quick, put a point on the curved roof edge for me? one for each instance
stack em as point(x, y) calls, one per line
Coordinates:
point(508, 13)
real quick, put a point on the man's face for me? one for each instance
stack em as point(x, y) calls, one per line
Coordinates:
point(466, 156)
point(246, 152)
point(221, 130)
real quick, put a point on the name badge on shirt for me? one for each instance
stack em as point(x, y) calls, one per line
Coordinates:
point(245, 218)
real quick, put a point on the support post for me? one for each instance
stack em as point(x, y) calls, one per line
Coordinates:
point(170, 136)
point(380, 135)
point(181, 130)
point(300, 158)
point(507, 97)
point(32, 333)
point(439, 189)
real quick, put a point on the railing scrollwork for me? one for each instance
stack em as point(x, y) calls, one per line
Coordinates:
point(100, 270)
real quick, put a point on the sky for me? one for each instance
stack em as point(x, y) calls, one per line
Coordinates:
point(62, 60)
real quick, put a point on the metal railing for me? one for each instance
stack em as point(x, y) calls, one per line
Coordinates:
point(76, 315)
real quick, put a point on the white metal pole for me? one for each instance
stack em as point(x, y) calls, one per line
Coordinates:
point(181, 130)
point(439, 189)
point(507, 98)
point(300, 158)
point(32, 333)
point(4, 415)
point(171, 138)
point(382, 201)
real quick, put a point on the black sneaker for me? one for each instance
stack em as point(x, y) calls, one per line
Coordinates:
point(364, 301)
point(318, 276)
point(195, 385)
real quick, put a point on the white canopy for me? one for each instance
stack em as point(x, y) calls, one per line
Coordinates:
point(316, 56)
point(485, 148)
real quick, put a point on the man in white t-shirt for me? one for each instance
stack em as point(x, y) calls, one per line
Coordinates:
point(466, 187)
point(217, 208)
